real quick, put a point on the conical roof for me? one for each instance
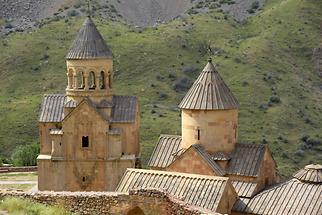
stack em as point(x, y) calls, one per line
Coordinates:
point(209, 92)
point(89, 44)
point(311, 173)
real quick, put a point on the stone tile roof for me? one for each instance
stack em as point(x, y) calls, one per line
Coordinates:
point(310, 173)
point(208, 159)
point(292, 197)
point(89, 44)
point(246, 159)
point(164, 151)
point(220, 156)
point(124, 109)
point(197, 190)
point(245, 189)
point(209, 92)
point(52, 108)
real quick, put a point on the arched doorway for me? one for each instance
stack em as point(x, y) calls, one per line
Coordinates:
point(135, 211)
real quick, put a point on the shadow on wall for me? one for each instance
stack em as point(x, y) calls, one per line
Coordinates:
point(135, 211)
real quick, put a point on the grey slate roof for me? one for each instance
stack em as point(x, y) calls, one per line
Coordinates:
point(220, 156)
point(311, 173)
point(124, 109)
point(289, 198)
point(89, 44)
point(245, 189)
point(208, 159)
point(164, 151)
point(209, 92)
point(246, 159)
point(52, 108)
point(197, 190)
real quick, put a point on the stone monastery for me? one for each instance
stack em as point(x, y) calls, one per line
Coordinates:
point(90, 142)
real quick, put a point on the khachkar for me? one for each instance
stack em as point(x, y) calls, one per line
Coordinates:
point(89, 136)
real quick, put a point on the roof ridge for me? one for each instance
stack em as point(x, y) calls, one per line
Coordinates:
point(179, 174)
point(170, 135)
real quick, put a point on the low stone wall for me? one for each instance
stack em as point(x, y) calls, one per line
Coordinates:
point(148, 201)
point(18, 169)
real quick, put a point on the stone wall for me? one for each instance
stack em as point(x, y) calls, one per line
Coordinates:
point(18, 169)
point(147, 201)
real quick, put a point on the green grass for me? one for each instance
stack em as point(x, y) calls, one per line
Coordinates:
point(275, 45)
point(15, 187)
point(17, 206)
point(32, 176)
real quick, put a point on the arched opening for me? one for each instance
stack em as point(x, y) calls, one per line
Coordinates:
point(102, 80)
point(135, 211)
point(91, 81)
point(80, 83)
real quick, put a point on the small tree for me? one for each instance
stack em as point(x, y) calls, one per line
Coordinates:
point(25, 155)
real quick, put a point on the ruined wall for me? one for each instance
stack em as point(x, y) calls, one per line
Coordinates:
point(147, 201)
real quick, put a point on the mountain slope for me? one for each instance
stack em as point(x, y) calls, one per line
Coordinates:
point(267, 63)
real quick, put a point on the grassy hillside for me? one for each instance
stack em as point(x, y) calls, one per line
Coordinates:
point(267, 62)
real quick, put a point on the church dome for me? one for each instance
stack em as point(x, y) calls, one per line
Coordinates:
point(89, 44)
point(311, 174)
point(209, 92)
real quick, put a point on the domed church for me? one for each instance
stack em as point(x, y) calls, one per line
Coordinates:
point(89, 136)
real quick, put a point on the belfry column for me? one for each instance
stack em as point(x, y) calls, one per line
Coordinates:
point(86, 87)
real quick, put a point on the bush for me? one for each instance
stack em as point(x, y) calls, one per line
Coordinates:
point(299, 153)
point(72, 13)
point(182, 84)
point(275, 99)
point(25, 155)
point(189, 69)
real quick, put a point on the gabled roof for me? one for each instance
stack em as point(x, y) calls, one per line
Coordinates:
point(207, 158)
point(220, 156)
point(209, 92)
point(197, 190)
point(311, 174)
point(52, 108)
point(292, 197)
point(124, 109)
point(89, 44)
point(245, 189)
point(246, 159)
point(165, 151)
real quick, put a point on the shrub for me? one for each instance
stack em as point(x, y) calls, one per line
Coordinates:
point(299, 153)
point(25, 155)
point(189, 69)
point(275, 99)
point(72, 13)
point(313, 142)
point(182, 84)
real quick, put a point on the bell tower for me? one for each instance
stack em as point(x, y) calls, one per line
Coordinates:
point(89, 66)
point(210, 113)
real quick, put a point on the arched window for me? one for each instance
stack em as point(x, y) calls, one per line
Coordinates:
point(91, 81)
point(80, 80)
point(102, 80)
